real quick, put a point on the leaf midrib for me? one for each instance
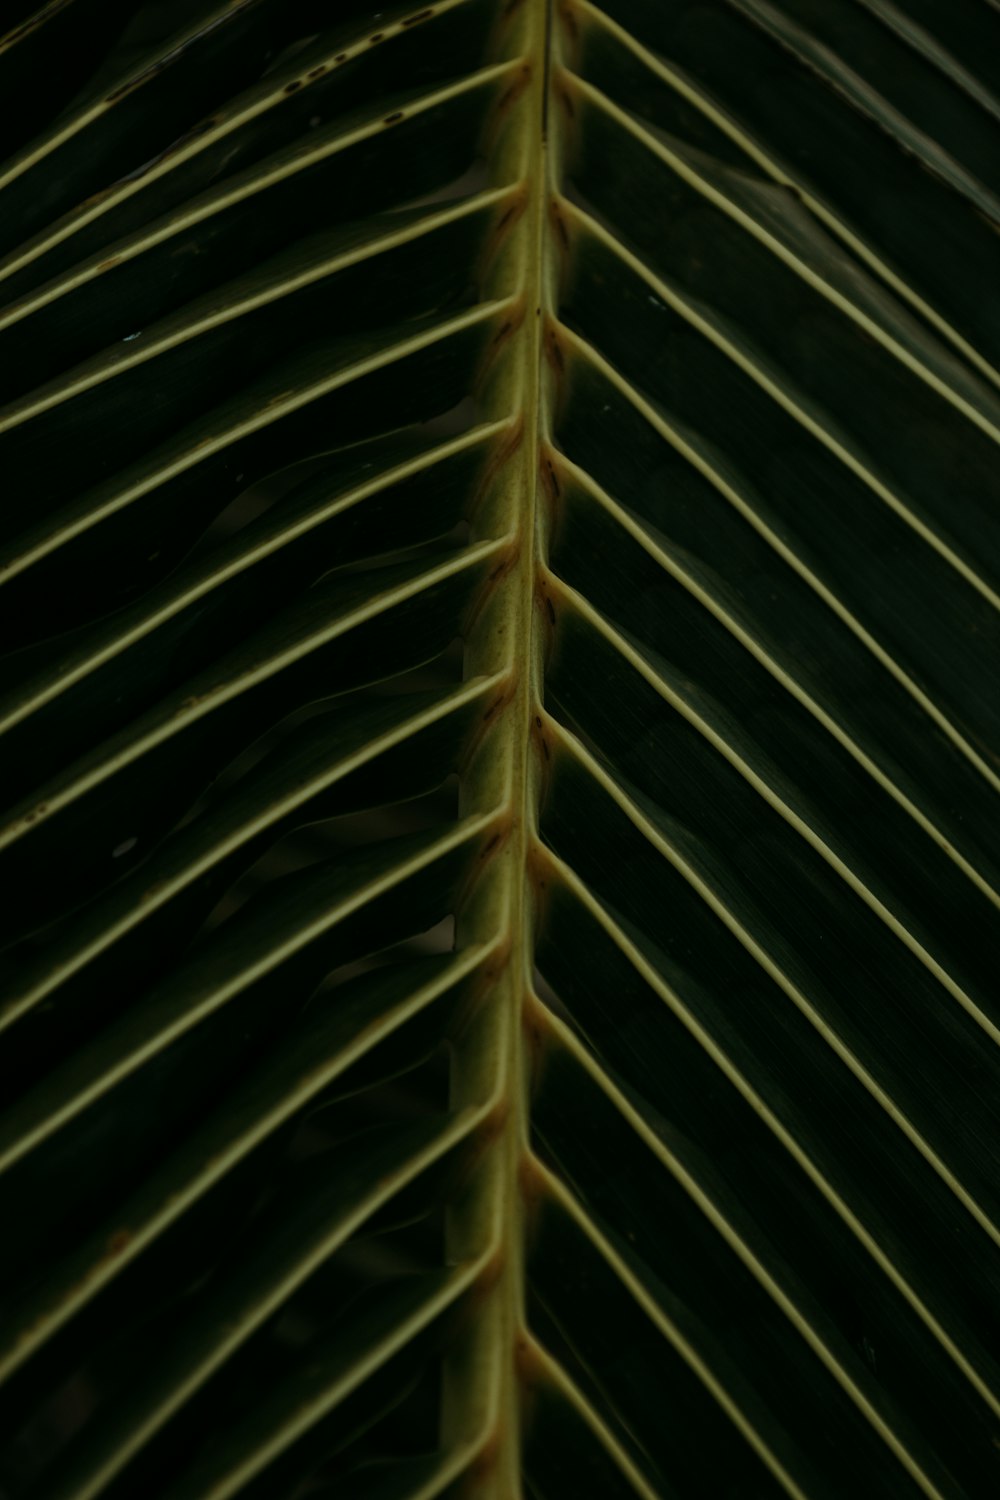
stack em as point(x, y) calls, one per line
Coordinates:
point(505, 771)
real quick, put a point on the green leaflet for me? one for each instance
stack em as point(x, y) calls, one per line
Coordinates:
point(499, 587)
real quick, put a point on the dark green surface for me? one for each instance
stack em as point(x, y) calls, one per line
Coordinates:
point(262, 269)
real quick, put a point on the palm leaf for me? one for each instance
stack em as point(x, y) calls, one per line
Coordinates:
point(500, 569)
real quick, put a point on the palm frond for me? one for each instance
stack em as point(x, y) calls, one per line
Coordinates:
point(499, 583)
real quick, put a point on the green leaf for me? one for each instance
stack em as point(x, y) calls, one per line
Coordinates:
point(499, 589)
